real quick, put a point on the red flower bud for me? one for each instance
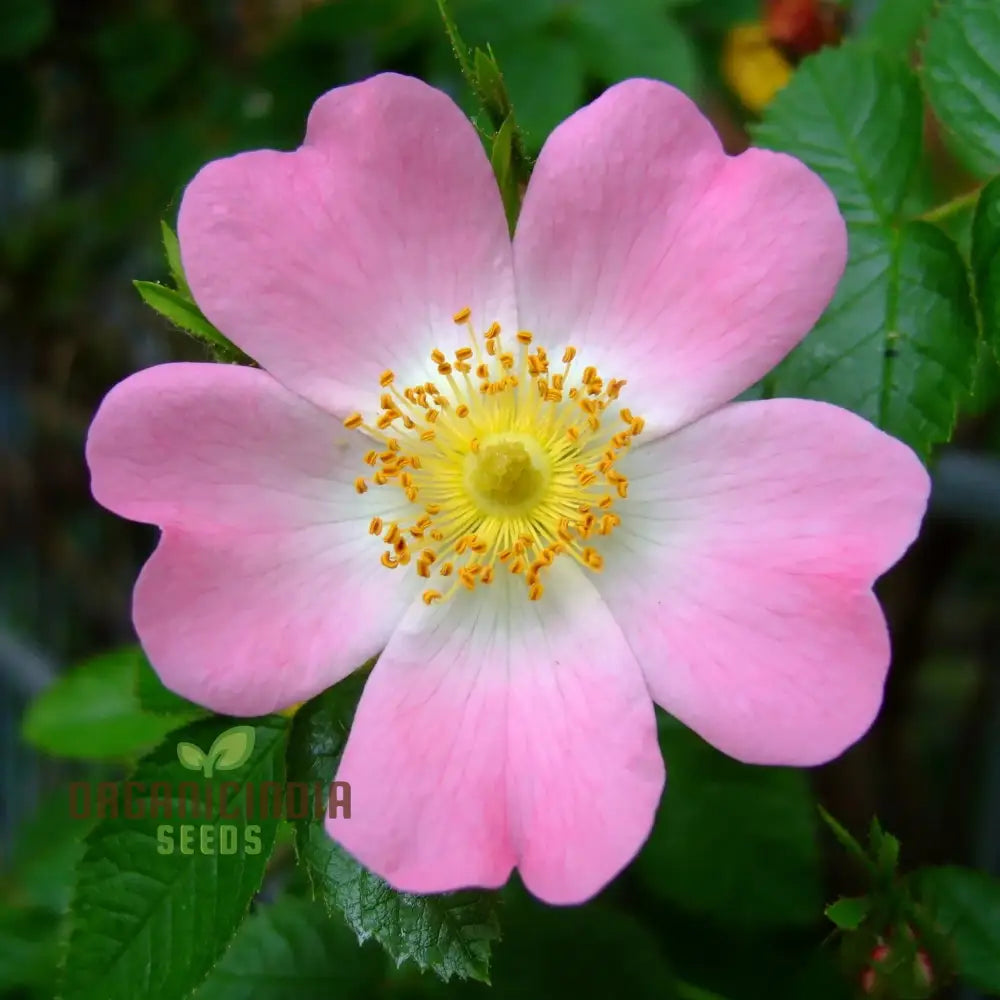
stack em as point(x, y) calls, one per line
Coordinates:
point(803, 26)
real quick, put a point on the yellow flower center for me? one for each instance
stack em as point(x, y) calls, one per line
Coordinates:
point(508, 475)
point(505, 461)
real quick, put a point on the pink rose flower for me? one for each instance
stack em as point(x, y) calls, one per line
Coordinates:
point(513, 468)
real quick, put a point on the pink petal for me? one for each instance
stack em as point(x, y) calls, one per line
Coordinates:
point(266, 587)
point(351, 255)
point(667, 263)
point(248, 624)
point(495, 731)
point(742, 572)
point(209, 446)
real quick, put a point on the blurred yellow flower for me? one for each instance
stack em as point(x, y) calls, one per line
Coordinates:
point(753, 67)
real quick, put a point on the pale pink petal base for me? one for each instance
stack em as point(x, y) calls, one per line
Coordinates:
point(667, 263)
point(502, 732)
point(266, 587)
point(742, 573)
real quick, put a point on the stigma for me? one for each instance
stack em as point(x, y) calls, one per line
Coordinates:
point(505, 462)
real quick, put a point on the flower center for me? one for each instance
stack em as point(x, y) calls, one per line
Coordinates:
point(504, 464)
point(508, 474)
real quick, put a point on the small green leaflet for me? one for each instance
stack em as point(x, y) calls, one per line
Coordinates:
point(178, 305)
point(185, 315)
point(172, 248)
point(849, 912)
point(93, 712)
point(500, 159)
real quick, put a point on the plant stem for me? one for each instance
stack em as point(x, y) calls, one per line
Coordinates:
point(458, 46)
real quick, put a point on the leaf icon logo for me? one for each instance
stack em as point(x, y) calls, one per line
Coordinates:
point(190, 756)
point(230, 750)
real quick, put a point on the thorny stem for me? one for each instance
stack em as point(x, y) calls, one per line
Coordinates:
point(508, 153)
point(457, 45)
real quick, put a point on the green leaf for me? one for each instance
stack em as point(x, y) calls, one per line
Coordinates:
point(173, 251)
point(448, 933)
point(500, 159)
point(232, 748)
point(965, 906)
point(92, 712)
point(849, 913)
point(190, 756)
point(961, 71)
point(490, 87)
point(885, 849)
point(293, 950)
point(895, 24)
point(511, 164)
point(160, 700)
point(158, 897)
point(855, 117)
point(731, 841)
point(898, 343)
point(185, 315)
point(986, 261)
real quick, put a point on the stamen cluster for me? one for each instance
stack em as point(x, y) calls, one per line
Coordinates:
point(503, 460)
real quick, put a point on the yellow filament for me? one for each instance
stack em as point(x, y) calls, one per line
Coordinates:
point(505, 461)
